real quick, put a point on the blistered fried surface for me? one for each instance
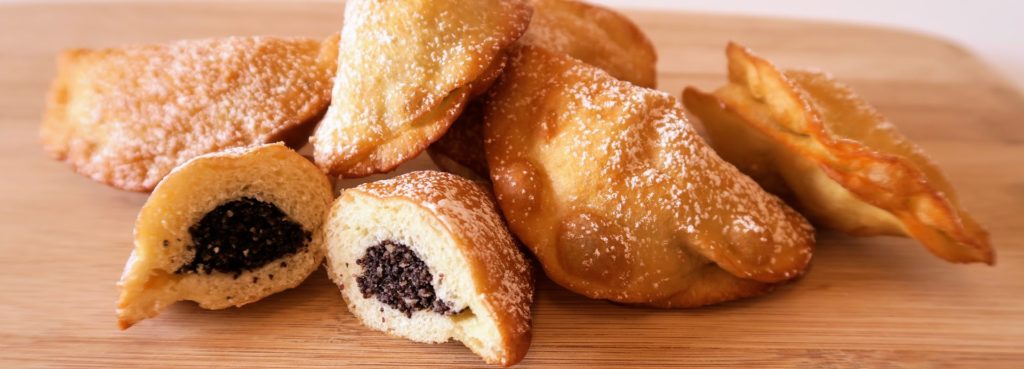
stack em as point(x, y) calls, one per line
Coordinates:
point(126, 117)
point(846, 165)
point(619, 198)
point(405, 73)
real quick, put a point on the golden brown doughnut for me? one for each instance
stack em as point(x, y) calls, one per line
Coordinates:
point(806, 136)
point(620, 199)
point(406, 72)
point(126, 117)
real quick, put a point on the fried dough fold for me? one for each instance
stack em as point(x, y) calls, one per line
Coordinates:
point(595, 35)
point(127, 116)
point(809, 138)
point(620, 199)
point(405, 73)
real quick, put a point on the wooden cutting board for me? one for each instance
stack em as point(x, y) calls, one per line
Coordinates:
point(866, 302)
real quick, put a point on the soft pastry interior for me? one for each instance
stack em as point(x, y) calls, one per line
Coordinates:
point(224, 230)
point(415, 271)
point(425, 256)
point(811, 139)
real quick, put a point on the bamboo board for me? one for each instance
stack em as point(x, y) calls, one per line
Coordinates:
point(866, 302)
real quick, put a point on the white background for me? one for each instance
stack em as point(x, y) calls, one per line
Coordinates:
point(992, 29)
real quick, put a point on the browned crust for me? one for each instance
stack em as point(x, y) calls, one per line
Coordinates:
point(501, 273)
point(453, 166)
point(400, 148)
point(712, 285)
point(461, 149)
point(625, 52)
point(614, 44)
point(117, 146)
point(411, 143)
point(382, 154)
point(597, 235)
point(907, 193)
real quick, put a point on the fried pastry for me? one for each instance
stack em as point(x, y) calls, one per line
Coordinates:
point(226, 229)
point(598, 36)
point(406, 72)
point(620, 199)
point(807, 137)
point(425, 256)
point(126, 117)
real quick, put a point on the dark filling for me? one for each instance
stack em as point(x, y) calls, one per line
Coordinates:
point(397, 277)
point(242, 235)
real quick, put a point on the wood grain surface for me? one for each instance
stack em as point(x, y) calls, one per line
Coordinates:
point(867, 302)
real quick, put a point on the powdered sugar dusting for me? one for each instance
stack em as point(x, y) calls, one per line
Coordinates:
point(598, 36)
point(502, 274)
point(128, 116)
point(401, 61)
point(620, 180)
point(592, 34)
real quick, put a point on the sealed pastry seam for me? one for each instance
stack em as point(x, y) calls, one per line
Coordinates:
point(407, 72)
point(126, 117)
point(592, 34)
point(785, 111)
point(614, 192)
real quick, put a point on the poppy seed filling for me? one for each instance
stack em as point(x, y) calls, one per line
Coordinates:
point(242, 235)
point(398, 278)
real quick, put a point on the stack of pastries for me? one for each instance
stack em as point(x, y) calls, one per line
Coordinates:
point(557, 145)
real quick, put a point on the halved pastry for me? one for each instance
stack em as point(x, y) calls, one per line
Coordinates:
point(126, 117)
point(595, 35)
point(807, 137)
point(405, 73)
point(226, 229)
point(620, 199)
point(425, 256)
